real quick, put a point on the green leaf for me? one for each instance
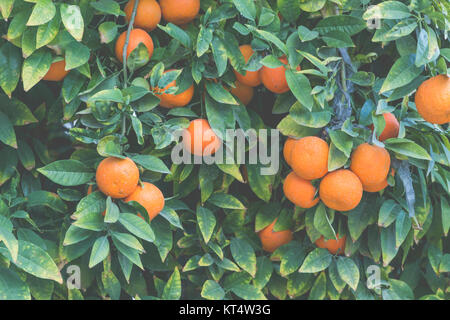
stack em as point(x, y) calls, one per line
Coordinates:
point(289, 9)
point(137, 226)
point(260, 184)
point(248, 292)
point(43, 12)
point(300, 87)
point(34, 260)
point(150, 162)
point(10, 242)
point(67, 172)
point(323, 223)
point(7, 133)
point(111, 284)
point(317, 260)
point(109, 146)
point(338, 39)
point(172, 289)
point(6, 8)
point(112, 211)
point(244, 255)
point(100, 251)
point(407, 148)
point(76, 55)
point(402, 72)
point(348, 271)
point(12, 287)
point(319, 288)
point(47, 199)
point(90, 221)
point(398, 290)
point(312, 119)
point(219, 93)
point(292, 258)
point(73, 20)
point(204, 39)
point(348, 24)
point(226, 201)
point(247, 8)
point(35, 68)
point(107, 6)
point(10, 63)
point(108, 31)
point(128, 240)
point(177, 33)
point(387, 10)
point(212, 290)
point(206, 222)
point(388, 248)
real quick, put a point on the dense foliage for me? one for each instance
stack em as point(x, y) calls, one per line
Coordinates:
point(356, 63)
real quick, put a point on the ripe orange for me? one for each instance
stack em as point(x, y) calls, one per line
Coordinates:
point(391, 128)
point(136, 37)
point(287, 149)
point(243, 92)
point(272, 240)
point(169, 100)
point(378, 186)
point(334, 246)
point(116, 177)
point(275, 79)
point(299, 191)
point(341, 190)
point(250, 78)
point(433, 99)
point(150, 197)
point(199, 139)
point(179, 11)
point(57, 71)
point(309, 158)
point(370, 163)
point(148, 14)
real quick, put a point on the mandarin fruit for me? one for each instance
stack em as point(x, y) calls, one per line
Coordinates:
point(274, 79)
point(309, 158)
point(150, 197)
point(341, 190)
point(117, 177)
point(249, 78)
point(433, 99)
point(299, 191)
point(272, 240)
point(137, 36)
point(179, 12)
point(332, 245)
point(172, 100)
point(57, 71)
point(199, 139)
point(148, 14)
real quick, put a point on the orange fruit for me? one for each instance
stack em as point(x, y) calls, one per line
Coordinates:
point(378, 186)
point(137, 36)
point(433, 99)
point(272, 240)
point(299, 191)
point(249, 78)
point(341, 190)
point(370, 163)
point(391, 128)
point(170, 100)
point(57, 71)
point(243, 92)
point(287, 149)
point(150, 197)
point(179, 11)
point(332, 245)
point(199, 139)
point(309, 158)
point(275, 79)
point(148, 14)
point(116, 177)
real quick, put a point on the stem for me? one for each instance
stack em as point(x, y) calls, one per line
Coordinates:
point(125, 47)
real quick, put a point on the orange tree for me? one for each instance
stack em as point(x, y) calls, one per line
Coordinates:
point(358, 88)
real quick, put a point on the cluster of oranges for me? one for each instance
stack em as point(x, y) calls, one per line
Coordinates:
point(273, 79)
point(340, 190)
point(119, 179)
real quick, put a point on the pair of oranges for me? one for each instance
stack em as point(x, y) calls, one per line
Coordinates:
point(273, 79)
point(119, 179)
point(272, 240)
point(148, 16)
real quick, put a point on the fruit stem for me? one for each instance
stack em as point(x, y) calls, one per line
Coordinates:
point(125, 47)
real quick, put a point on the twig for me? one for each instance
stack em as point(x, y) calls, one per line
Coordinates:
point(125, 47)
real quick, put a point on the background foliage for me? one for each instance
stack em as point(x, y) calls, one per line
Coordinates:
point(204, 243)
